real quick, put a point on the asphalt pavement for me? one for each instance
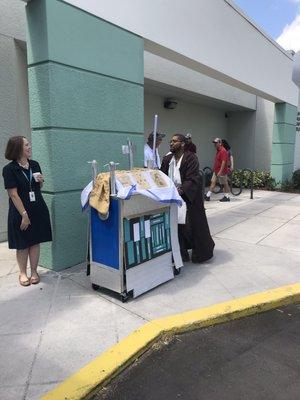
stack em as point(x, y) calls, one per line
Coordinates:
point(257, 357)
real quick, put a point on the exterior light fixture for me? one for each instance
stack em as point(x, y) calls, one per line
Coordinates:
point(170, 104)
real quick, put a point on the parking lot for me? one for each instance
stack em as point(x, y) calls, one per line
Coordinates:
point(257, 357)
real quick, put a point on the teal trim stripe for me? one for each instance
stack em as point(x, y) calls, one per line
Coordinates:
point(284, 123)
point(64, 128)
point(283, 163)
point(84, 70)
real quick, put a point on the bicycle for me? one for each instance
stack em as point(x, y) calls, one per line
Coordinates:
point(235, 191)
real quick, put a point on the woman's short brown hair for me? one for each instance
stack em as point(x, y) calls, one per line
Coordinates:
point(14, 148)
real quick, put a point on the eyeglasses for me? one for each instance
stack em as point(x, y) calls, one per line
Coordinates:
point(175, 141)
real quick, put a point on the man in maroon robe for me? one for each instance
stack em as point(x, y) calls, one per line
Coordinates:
point(194, 234)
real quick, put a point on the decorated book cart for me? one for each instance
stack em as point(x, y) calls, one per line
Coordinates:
point(134, 246)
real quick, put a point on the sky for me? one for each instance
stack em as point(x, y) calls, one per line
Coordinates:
point(280, 19)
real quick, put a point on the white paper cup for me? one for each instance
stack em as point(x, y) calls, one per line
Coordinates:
point(36, 175)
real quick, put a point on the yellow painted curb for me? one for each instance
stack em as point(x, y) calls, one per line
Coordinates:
point(111, 362)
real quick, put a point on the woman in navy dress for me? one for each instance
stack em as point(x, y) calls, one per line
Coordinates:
point(28, 215)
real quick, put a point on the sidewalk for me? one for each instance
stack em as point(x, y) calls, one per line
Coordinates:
point(50, 330)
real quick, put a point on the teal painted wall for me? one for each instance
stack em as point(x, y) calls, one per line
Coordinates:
point(285, 113)
point(71, 166)
point(283, 146)
point(63, 96)
point(69, 234)
point(284, 133)
point(86, 99)
point(67, 35)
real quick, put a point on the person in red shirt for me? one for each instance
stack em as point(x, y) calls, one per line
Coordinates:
point(220, 171)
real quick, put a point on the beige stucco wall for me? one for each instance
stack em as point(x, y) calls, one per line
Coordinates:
point(250, 135)
point(212, 37)
point(14, 110)
point(296, 78)
point(204, 123)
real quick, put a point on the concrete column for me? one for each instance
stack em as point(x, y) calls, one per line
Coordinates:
point(283, 145)
point(86, 99)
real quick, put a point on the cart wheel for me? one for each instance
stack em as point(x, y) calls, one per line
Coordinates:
point(124, 297)
point(177, 271)
point(95, 287)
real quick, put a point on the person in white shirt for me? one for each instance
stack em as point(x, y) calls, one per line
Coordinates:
point(148, 151)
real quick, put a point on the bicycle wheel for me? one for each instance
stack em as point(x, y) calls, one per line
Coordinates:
point(218, 188)
point(236, 191)
point(233, 189)
point(207, 171)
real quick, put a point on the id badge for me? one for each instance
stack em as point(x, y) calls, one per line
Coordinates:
point(31, 196)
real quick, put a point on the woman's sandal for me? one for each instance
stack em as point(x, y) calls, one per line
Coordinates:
point(35, 281)
point(24, 283)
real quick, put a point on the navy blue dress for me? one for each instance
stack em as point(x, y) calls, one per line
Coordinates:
point(40, 228)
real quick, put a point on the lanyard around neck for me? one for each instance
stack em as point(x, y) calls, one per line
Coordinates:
point(30, 177)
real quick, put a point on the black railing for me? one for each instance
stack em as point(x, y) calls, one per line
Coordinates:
point(251, 180)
